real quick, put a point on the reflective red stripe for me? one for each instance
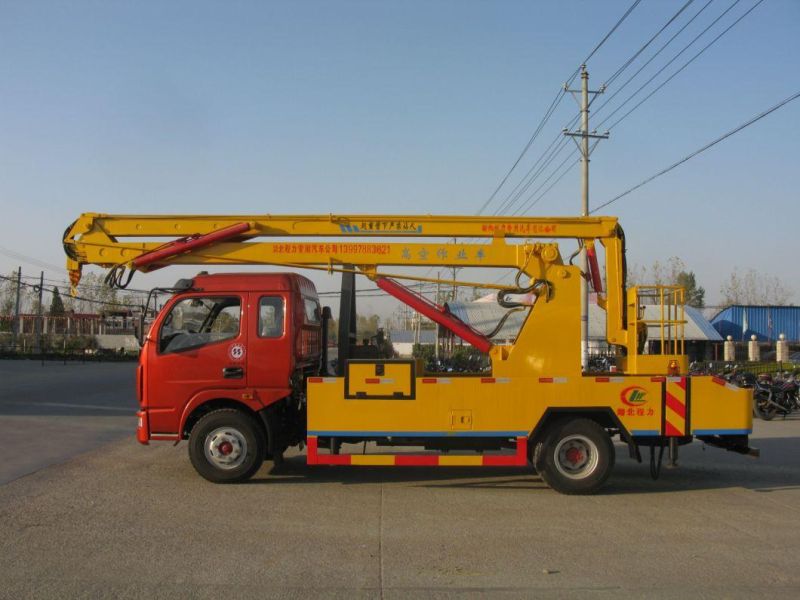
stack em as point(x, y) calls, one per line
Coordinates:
point(311, 452)
point(315, 380)
point(545, 380)
point(676, 405)
point(672, 431)
point(429, 380)
point(518, 459)
point(602, 379)
point(487, 380)
point(658, 379)
point(718, 380)
point(372, 380)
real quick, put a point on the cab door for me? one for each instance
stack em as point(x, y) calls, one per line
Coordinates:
point(270, 356)
point(200, 345)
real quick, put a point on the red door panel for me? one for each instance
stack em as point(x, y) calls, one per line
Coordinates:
point(269, 356)
point(201, 345)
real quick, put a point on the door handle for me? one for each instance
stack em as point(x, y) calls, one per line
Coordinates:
point(232, 372)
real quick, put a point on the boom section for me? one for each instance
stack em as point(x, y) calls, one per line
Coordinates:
point(112, 240)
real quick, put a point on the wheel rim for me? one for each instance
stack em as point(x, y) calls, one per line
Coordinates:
point(576, 457)
point(225, 448)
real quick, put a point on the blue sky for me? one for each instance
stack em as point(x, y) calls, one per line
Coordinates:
point(413, 107)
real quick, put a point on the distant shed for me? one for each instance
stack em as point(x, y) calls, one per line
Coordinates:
point(765, 322)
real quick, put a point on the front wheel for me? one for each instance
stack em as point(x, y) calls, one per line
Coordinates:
point(226, 446)
point(576, 457)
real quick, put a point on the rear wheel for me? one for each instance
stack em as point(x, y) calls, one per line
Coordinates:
point(226, 446)
point(575, 457)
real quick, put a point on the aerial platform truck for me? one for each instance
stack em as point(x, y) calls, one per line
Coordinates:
point(236, 363)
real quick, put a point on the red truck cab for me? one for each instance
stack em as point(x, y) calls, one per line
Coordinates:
point(224, 365)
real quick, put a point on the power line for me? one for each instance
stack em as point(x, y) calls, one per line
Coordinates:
point(686, 64)
point(513, 197)
point(627, 63)
point(699, 151)
point(553, 105)
point(551, 156)
point(82, 298)
point(29, 259)
point(652, 58)
point(662, 69)
point(608, 35)
point(552, 185)
point(533, 137)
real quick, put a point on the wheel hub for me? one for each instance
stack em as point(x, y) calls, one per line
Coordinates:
point(225, 448)
point(576, 456)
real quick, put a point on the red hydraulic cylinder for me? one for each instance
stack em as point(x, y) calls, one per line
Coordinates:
point(435, 313)
point(594, 270)
point(187, 244)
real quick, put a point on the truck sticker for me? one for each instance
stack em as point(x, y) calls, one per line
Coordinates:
point(236, 351)
point(633, 396)
point(382, 226)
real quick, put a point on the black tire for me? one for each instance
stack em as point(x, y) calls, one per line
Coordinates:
point(575, 457)
point(763, 409)
point(227, 446)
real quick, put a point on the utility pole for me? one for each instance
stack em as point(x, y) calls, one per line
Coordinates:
point(455, 270)
point(15, 325)
point(39, 316)
point(586, 150)
point(438, 300)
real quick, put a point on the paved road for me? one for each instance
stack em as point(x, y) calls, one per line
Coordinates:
point(128, 521)
point(53, 411)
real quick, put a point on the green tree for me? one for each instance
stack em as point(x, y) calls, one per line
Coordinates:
point(367, 326)
point(695, 295)
point(56, 304)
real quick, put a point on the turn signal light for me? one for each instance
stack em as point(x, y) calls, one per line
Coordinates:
point(673, 368)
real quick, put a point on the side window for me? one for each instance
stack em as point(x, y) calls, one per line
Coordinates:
point(270, 317)
point(196, 322)
point(313, 313)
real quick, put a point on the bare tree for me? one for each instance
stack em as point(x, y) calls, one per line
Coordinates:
point(672, 272)
point(752, 287)
point(8, 294)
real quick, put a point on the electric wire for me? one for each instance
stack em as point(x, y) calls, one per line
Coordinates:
point(698, 151)
point(627, 63)
point(513, 197)
point(552, 185)
point(554, 104)
point(29, 259)
point(652, 58)
point(35, 287)
point(517, 192)
point(680, 69)
point(690, 61)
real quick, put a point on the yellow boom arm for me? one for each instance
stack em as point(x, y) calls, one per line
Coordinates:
point(297, 240)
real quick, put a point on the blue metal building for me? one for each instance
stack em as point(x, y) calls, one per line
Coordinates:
point(766, 322)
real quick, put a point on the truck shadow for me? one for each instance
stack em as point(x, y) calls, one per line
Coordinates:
point(699, 468)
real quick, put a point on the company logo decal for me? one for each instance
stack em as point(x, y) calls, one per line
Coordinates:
point(236, 351)
point(633, 396)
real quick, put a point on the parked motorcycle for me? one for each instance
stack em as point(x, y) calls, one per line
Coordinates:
point(773, 397)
